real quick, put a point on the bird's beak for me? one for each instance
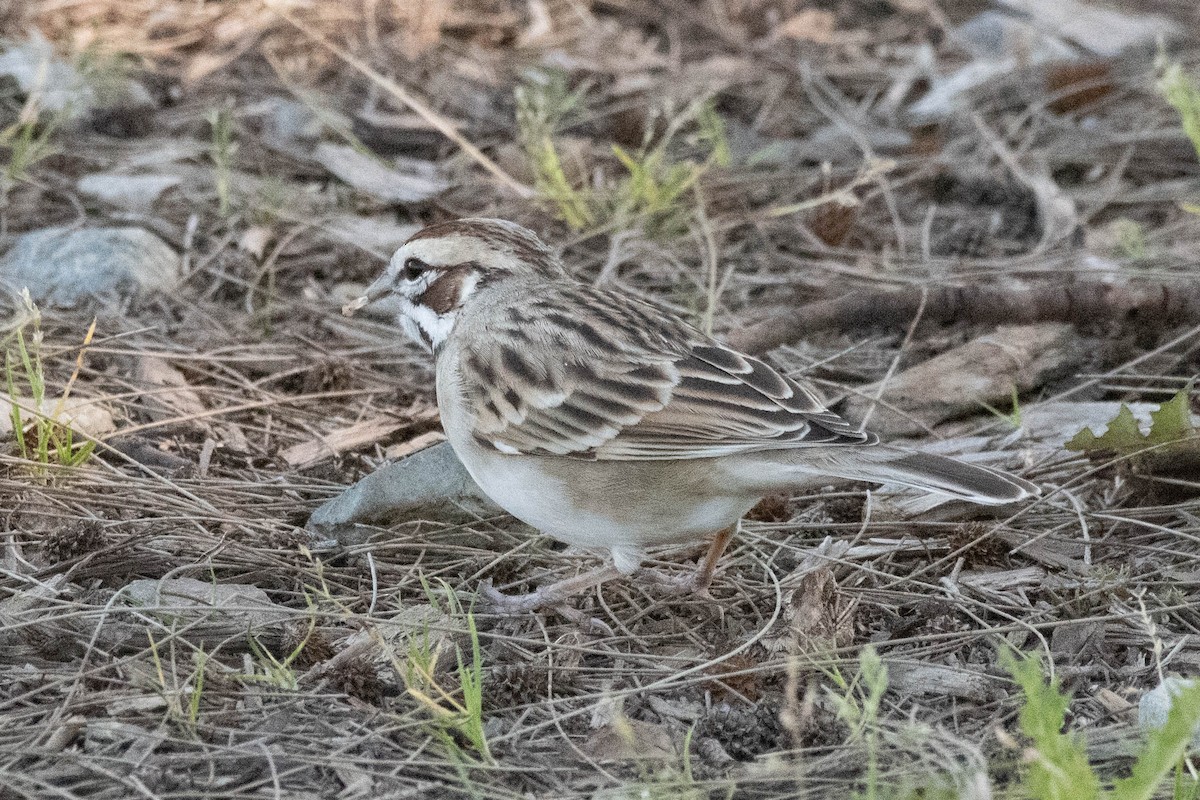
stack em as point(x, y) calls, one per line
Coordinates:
point(382, 286)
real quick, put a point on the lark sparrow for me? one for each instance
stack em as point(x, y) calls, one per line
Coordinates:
point(607, 422)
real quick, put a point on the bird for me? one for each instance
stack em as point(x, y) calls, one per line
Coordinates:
point(610, 423)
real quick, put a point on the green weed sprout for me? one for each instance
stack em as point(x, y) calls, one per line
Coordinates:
point(222, 152)
point(28, 140)
point(652, 192)
point(450, 716)
point(44, 438)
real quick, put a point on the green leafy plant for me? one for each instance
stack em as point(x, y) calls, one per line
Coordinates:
point(106, 72)
point(273, 671)
point(1164, 752)
point(42, 433)
point(187, 717)
point(1013, 417)
point(1170, 429)
point(542, 107)
point(1058, 766)
point(1058, 763)
point(279, 673)
point(1183, 93)
point(1131, 240)
point(857, 703)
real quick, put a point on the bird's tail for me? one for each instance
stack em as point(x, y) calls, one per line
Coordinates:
point(927, 471)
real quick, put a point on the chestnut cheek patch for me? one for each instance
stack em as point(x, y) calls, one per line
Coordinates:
point(444, 293)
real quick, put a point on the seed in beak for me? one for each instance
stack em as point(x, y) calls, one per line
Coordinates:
point(357, 303)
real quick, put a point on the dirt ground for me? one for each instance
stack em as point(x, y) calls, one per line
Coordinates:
point(963, 221)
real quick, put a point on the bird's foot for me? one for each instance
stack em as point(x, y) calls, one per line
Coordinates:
point(694, 583)
point(698, 581)
point(552, 594)
point(497, 602)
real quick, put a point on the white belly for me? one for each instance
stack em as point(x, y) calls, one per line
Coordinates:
point(519, 486)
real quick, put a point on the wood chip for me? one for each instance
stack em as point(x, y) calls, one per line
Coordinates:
point(960, 381)
point(353, 436)
point(427, 439)
point(942, 681)
point(811, 24)
point(1113, 702)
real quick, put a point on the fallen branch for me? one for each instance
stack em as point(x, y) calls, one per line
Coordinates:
point(1076, 303)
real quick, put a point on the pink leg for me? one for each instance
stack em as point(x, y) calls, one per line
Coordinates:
point(699, 581)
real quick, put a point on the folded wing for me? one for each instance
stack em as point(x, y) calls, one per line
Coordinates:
point(627, 381)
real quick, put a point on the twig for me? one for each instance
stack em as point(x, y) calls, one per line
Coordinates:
point(1082, 303)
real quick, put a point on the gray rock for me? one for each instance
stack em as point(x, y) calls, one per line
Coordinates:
point(62, 88)
point(431, 483)
point(133, 192)
point(35, 67)
point(69, 267)
point(291, 121)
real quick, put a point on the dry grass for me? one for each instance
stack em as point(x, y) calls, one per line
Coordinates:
point(104, 697)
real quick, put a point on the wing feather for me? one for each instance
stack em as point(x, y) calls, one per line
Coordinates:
point(592, 374)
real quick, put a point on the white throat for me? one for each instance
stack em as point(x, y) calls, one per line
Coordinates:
point(424, 325)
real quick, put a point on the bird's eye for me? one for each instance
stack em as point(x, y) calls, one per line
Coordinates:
point(414, 268)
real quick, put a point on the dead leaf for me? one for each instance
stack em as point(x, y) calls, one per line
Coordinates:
point(626, 739)
point(84, 415)
point(821, 617)
point(1078, 85)
point(206, 63)
point(811, 24)
point(423, 21)
point(832, 222)
point(167, 392)
point(540, 23)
